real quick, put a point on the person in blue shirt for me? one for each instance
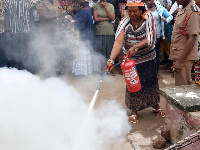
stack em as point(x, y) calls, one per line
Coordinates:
point(84, 24)
point(161, 15)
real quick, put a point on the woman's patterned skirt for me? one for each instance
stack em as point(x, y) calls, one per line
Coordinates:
point(149, 94)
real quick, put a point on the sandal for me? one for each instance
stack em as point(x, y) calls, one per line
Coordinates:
point(159, 112)
point(159, 77)
point(133, 118)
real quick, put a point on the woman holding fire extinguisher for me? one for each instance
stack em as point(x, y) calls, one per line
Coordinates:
point(136, 36)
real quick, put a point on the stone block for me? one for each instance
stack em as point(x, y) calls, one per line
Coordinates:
point(182, 112)
point(159, 142)
point(165, 133)
point(186, 98)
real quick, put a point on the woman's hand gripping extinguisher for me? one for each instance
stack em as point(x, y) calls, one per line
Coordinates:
point(130, 75)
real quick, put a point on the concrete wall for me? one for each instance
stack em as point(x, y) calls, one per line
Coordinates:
point(181, 125)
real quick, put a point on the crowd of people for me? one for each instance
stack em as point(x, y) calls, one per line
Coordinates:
point(109, 29)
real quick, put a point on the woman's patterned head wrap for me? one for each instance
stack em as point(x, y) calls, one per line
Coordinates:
point(135, 3)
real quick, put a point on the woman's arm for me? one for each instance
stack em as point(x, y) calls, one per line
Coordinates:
point(98, 19)
point(116, 50)
point(150, 30)
point(117, 46)
point(150, 39)
point(111, 16)
point(140, 45)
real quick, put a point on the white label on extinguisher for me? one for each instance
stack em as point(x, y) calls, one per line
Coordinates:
point(127, 74)
point(131, 74)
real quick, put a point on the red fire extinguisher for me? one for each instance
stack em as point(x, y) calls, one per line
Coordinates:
point(131, 75)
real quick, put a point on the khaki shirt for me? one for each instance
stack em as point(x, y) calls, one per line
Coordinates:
point(51, 16)
point(178, 39)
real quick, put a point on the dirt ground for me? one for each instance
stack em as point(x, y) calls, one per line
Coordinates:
point(113, 87)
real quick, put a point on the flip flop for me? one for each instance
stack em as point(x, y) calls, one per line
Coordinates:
point(159, 112)
point(133, 118)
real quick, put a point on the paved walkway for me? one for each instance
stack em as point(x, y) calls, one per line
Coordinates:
point(113, 87)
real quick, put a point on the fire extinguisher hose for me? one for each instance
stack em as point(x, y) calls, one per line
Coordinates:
point(99, 87)
point(105, 73)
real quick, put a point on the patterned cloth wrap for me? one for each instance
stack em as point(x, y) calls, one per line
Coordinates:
point(135, 3)
point(2, 16)
point(19, 15)
point(197, 66)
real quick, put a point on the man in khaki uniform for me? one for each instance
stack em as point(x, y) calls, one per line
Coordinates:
point(184, 45)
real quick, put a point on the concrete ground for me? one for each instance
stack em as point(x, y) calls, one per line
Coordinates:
point(113, 87)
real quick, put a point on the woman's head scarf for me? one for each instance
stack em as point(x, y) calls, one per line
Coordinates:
point(136, 3)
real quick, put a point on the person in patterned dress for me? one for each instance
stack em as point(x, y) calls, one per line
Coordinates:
point(197, 62)
point(2, 35)
point(51, 31)
point(83, 21)
point(136, 36)
point(19, 21)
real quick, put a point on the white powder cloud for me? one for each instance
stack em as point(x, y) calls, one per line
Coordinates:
point(49, 114)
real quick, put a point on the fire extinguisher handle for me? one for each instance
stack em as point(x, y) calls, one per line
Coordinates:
point(126, 57)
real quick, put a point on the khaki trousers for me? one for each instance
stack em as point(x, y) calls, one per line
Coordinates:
point(183, 76)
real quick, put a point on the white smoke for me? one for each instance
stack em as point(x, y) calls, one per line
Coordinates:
point(49, 53)
point(49, 114)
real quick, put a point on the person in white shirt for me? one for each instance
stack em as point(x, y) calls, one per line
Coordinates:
point(174, 7)
point(168, 32)
point(92, 2)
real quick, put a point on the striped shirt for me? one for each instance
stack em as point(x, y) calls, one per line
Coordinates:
point(19, 15)
point(132, 37)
